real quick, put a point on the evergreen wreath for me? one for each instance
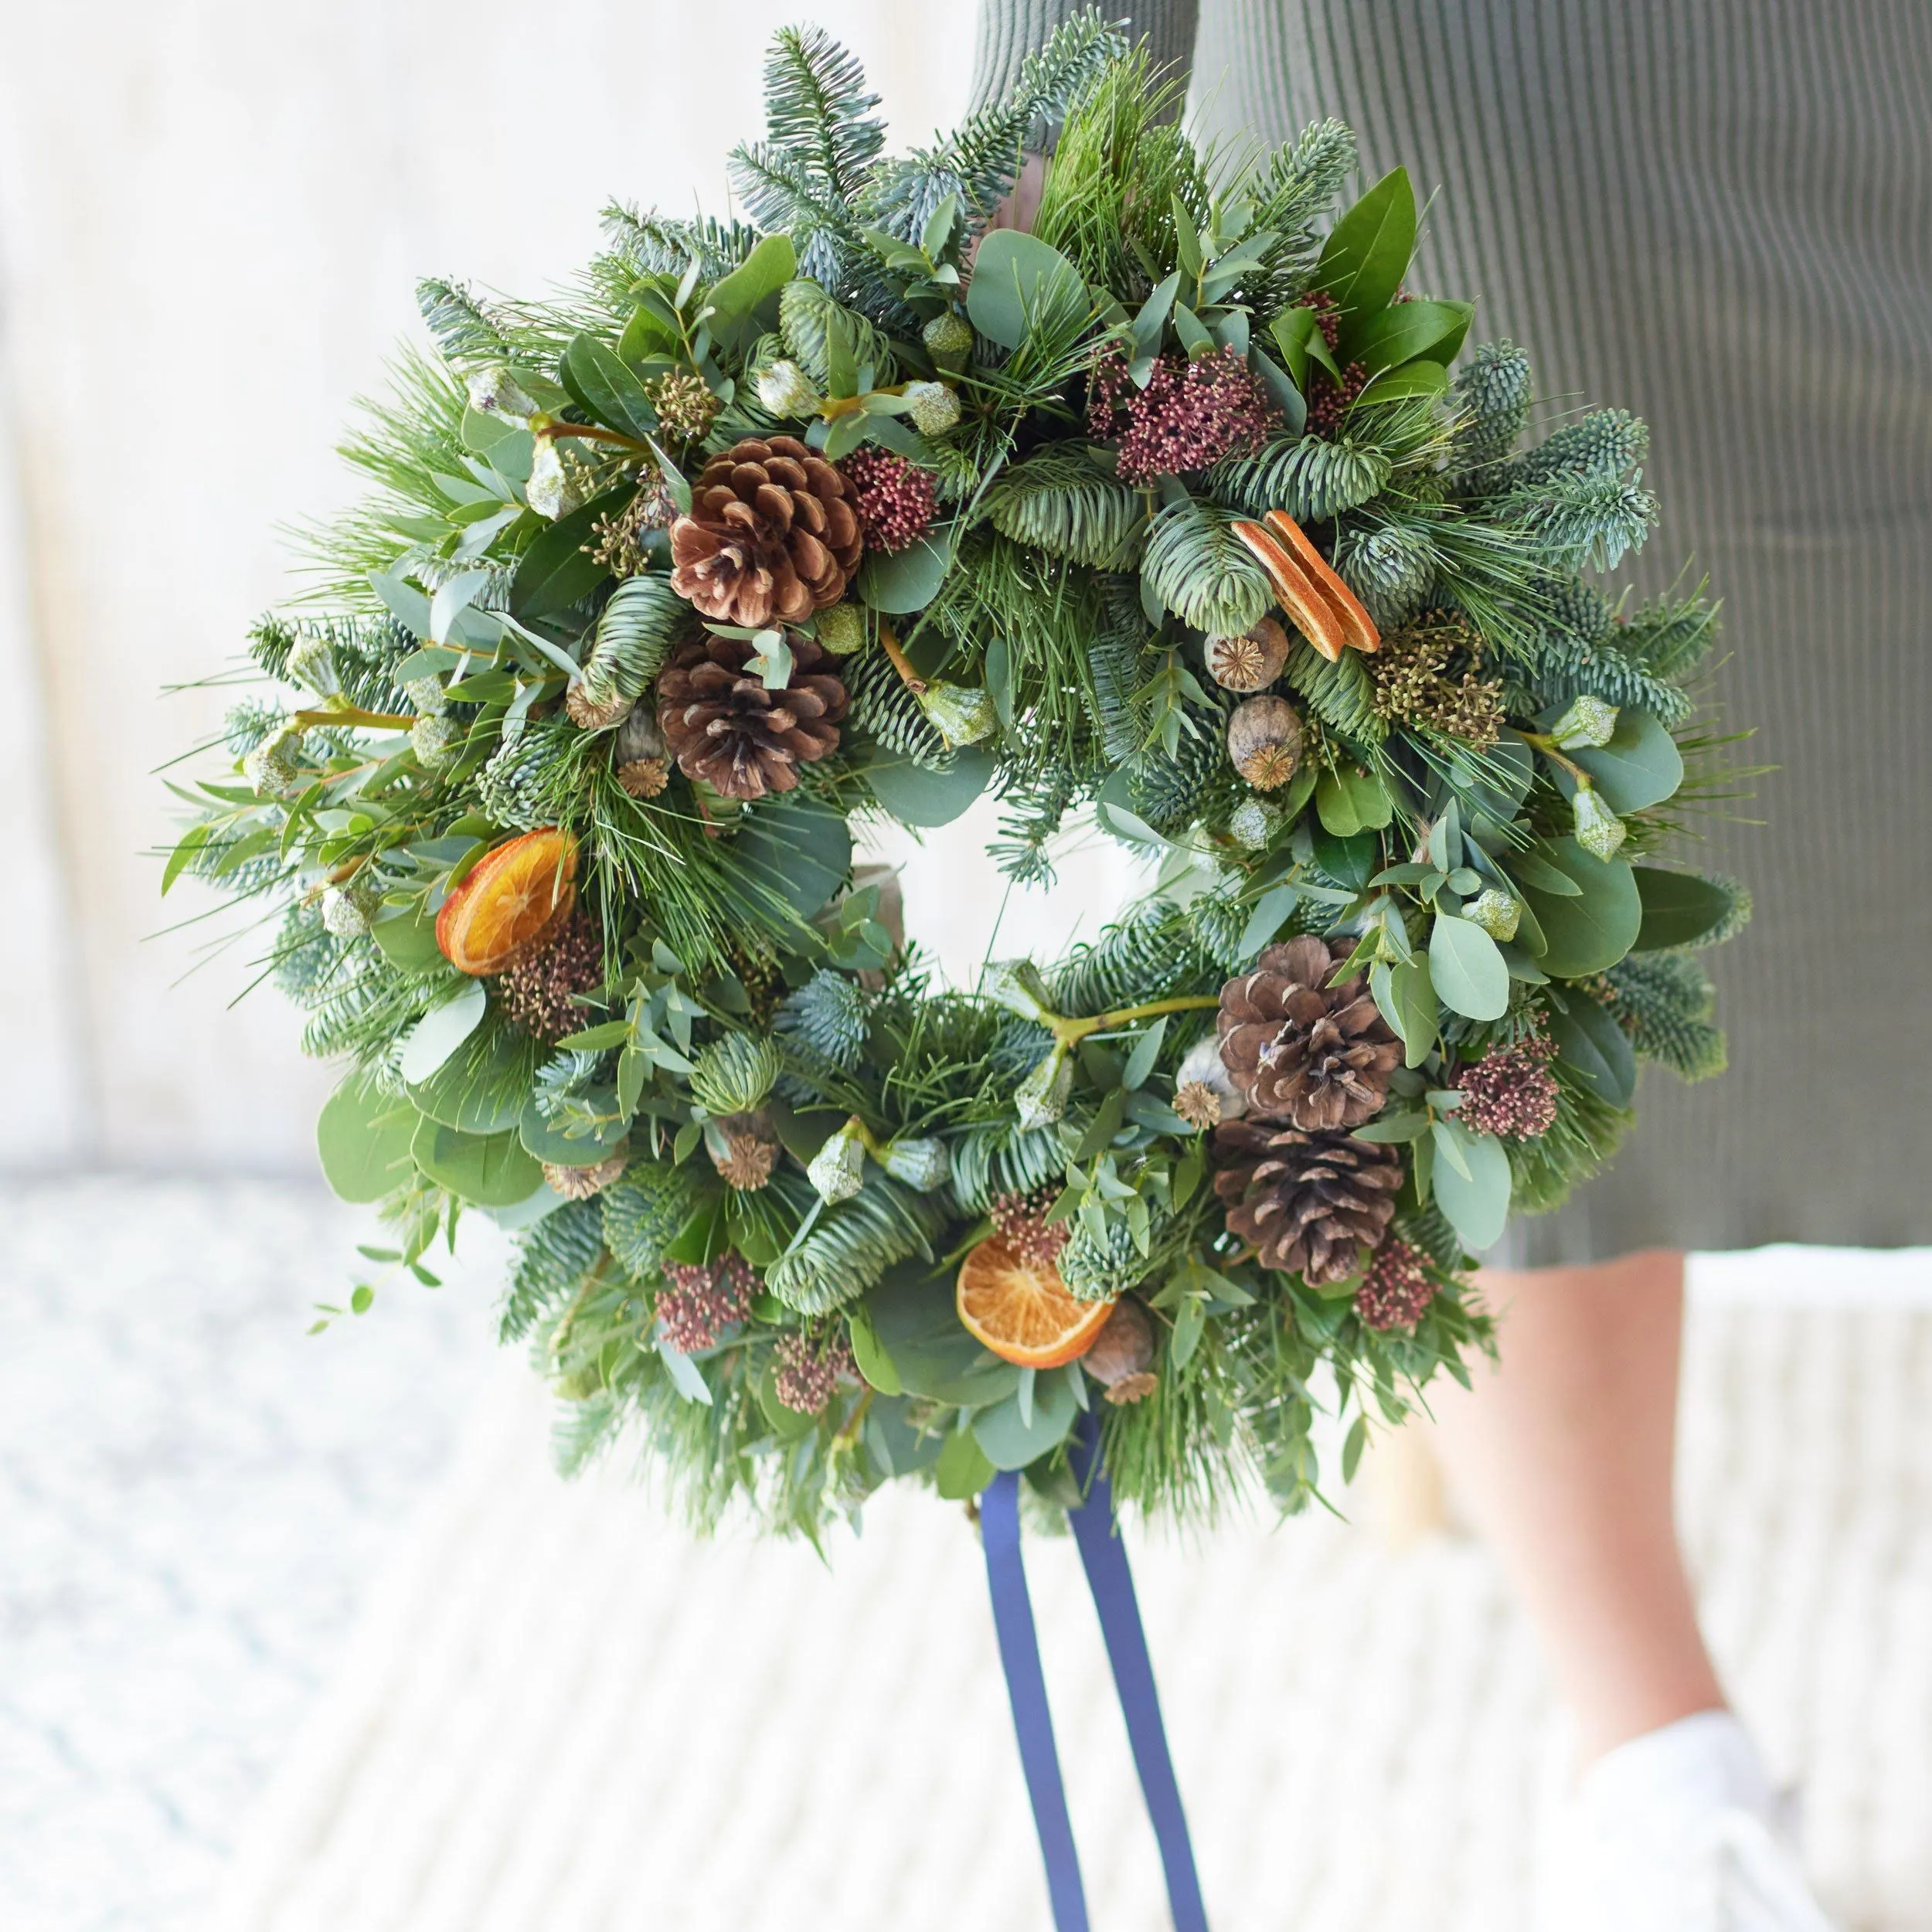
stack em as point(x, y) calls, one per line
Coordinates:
point(1170, 510)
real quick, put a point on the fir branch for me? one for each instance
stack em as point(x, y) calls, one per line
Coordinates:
point(1312, 479)
point(1200, 570)
point(1059, 500)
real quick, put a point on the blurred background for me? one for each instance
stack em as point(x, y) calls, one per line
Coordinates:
point(298, 1631)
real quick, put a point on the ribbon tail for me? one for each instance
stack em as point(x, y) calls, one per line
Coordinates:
point(1027, 1688)
point(1104, 1557)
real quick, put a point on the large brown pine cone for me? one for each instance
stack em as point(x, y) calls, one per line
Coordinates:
point(1300, 1050)
point(722, 726)
point(1309, 1204)
point(773, 535)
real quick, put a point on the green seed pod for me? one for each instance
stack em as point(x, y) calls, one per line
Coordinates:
point(1599, 831)
point(964, 713)
point(733, 1075)
point(934, 408)
point(1016, 985)
point(841, 628)
point(1041, 1097)
point(1254, 822)
point(837, 1169)
point(1588, 724)
point(922, 1164)
point(1495, 912)
point(948, 339)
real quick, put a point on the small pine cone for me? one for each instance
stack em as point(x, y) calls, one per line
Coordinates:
point(750, 1151)
point(579, 1183)
point(1307, 1204)
point(539, 993)
point(1301, 1049)
point(1122, 1356)
point(1397, 1290)
point(772, 534)
point(723, 726)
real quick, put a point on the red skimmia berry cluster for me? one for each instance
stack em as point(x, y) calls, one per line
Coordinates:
point(1511, 1091)
point(1398, 1288)
point(895, 498)
point(703, 1301)
point(1194, 411)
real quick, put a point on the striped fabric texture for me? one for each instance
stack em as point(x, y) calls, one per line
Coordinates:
point(1717, 213)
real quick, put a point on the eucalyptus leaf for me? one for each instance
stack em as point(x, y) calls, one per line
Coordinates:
point(1589, 932)
point(441, 1032)
point(1477, 1203)
point(363, 1138)
point(928, 795)
point(1680, 908)
point(1020, 285)
point(1594, 1047)
point(1467, 969)
point(901, 581)
point(1011, 1440)
point(491, 1170)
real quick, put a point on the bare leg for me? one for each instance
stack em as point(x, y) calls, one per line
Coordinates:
point(1562, 1458)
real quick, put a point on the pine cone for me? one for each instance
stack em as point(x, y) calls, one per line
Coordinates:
point(773, 534)
point(726, 728)
point(1302, 1050)
point(1309, 1204)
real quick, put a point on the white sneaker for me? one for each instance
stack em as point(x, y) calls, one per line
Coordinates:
point(1678, 1830)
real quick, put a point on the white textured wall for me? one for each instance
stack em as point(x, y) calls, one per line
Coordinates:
point(211, 215)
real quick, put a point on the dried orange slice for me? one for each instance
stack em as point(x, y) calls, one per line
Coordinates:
point(1358, 627)
point(1022, 1311)
point(1312, 614)
point(511, 902)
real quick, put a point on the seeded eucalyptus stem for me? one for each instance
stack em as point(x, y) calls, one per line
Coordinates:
point(1070, 1032)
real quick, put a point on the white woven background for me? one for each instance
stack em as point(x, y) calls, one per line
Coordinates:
point(286, 1642)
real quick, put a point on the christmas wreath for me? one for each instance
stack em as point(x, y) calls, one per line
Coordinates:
point(1170, 511)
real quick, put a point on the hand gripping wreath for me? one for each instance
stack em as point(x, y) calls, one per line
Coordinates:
point(1171, 512)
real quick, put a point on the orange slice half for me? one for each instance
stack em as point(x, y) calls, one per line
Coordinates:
point(1022, 1311)
point(507, 907)
point(1358, 627)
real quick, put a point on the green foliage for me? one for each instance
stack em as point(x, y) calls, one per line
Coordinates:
point(992, 1160)
point(1146, 954)
point(636, 632)
point(1665, 1002)
point(1170, 793)
point(641, 1216)
point(1493, 389)
point(515, 786)
point(1199, 570)
point(1117, 670)
point(1391, 570)
point(1059, 500)
point(1585, 1135)
point(465, 331)
point(979, 161)
point(887, 711)
point(553, 1259)
point(654, 244)
point(1293, 188)
point(821, 137)
point(826, 1016)
point(1339, 694)
point(807, 315)
point(1108, 202)
point(1034, 810)
point(1312, 479)
point(1669, 637)
point(849, 1246)
point(1604, 443)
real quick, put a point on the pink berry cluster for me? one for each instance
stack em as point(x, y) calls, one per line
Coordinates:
point(1510, 1091)
point(1194, 411)
point(1020, 1221)
point(895, 499)
point(704, 1299)
point(1397, 1290)
point(809, 1370)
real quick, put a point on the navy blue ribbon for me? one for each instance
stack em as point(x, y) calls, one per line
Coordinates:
point(1104, 1558)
